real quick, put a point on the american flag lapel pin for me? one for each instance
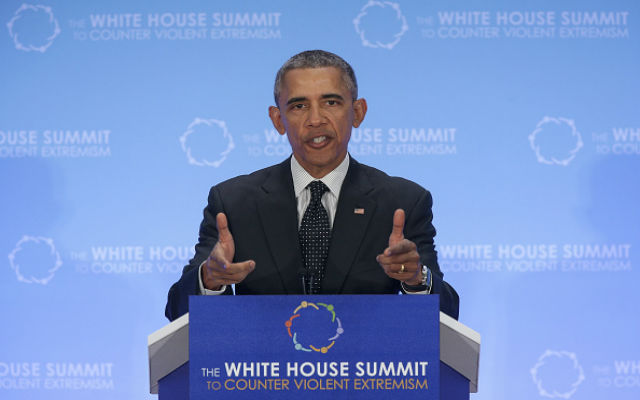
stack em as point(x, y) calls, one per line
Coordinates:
point(359, 211)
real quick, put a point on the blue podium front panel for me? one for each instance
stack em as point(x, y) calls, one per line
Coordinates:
point(175, 386)
point(291, 347)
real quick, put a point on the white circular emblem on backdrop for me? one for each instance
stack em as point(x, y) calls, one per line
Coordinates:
point(207, 142)
point(557, 374)
point(35, 259)
point(555, 141)
point(33, 28)
point(380, 24)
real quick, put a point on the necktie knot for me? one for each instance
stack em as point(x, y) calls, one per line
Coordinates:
point(317, 190)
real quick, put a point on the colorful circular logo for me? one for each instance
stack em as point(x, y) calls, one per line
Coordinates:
point(319, 312)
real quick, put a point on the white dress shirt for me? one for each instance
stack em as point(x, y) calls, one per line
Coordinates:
point(333, 180)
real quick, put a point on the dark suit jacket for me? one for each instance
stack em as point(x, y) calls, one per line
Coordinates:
point(262, 215)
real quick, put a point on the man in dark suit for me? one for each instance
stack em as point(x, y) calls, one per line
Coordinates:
point(280, 231)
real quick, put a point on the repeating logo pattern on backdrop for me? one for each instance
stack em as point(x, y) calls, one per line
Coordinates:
point(536, 257)
point(55, 143)
point(207, 142)
point(33, 28)
point(375, 34)
point(193, 24)
point(555, 141)
point(35, 259)
point(618, 374)
point(618, 141)
point(67, 376)
point(557, 374)
point(513, 24)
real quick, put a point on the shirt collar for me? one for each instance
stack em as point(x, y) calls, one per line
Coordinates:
point(333, 180)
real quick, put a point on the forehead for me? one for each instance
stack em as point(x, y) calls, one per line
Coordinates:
point(311, 82)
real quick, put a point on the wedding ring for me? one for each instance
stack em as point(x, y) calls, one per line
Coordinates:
point(401, 269)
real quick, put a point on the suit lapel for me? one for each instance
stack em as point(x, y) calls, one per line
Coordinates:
point(279, 217)
point(354, 212)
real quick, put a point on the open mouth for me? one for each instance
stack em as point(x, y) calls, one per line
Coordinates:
point(319, 141)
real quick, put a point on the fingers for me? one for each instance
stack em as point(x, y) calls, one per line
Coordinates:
point(401, 260)
point(235, 269)
point(410, 261)
point(398, 227)
point(402, 247)
point(218, 263)
point(224, 235)
point(234, 273)
point(408, 270)
point(218, 273)
point(402, 271)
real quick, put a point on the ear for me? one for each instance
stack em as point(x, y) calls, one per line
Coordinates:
point(359, 111)
point(276, 119)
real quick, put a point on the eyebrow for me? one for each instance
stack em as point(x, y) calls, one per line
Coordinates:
point(296, 99)
point(332, 96)
point(324, 96)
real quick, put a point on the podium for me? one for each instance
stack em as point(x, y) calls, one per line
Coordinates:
point(230, 331)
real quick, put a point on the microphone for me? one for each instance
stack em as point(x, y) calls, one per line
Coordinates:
point(302, 272)
point(307, 280)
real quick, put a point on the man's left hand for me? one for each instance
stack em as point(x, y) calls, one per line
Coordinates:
point(401, 260)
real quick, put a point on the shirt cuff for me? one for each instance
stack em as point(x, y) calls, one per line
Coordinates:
point(429, 284)
point(203, 290)
point(404, 289)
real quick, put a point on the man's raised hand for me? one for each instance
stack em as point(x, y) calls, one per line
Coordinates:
point(219, 270)
point(401, 260)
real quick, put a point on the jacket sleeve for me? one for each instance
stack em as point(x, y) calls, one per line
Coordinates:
point(420, 230)
point(178, 297)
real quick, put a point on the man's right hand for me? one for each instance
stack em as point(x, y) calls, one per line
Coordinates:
point(218, 270)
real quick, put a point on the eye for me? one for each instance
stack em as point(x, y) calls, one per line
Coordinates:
point(332, 102)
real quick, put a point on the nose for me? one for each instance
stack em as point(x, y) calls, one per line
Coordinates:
point(315, 116)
